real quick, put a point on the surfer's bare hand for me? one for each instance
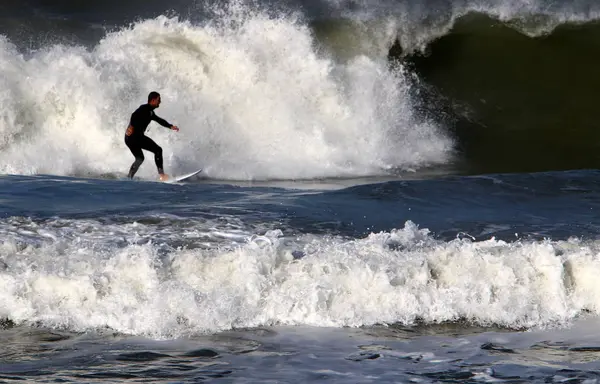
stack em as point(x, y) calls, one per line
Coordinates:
point(175, 128)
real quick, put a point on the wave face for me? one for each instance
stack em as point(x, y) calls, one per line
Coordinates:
point(520, 102)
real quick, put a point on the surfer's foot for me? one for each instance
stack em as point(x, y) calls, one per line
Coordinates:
point(163, 177)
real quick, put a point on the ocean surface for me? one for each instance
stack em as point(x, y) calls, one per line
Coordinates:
point(393, 191)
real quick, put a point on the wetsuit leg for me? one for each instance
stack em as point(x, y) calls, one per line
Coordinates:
point(149, 145)
point(136, 149)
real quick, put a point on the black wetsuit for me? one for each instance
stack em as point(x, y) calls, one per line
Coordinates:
point(136, 140)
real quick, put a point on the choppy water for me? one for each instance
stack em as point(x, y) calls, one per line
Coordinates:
point(122, 279)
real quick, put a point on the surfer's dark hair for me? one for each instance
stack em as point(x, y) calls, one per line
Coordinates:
point(153, 95)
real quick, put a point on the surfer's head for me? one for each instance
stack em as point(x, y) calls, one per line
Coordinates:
point(154, 99)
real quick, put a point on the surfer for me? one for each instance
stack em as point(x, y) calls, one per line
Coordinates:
point(136, 140)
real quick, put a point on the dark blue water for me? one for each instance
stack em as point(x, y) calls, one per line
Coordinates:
point(555, 204)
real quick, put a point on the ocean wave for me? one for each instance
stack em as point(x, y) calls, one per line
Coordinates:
point(352, 90)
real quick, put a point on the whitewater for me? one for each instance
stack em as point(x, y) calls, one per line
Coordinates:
point(84, 282)
point(253, 95)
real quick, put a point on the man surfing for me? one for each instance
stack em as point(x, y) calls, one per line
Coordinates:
point(136, 140)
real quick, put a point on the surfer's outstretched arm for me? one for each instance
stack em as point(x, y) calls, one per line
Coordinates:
point(164, 122)
point(161, 121)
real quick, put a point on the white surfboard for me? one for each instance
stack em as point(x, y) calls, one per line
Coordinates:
point(176, 179)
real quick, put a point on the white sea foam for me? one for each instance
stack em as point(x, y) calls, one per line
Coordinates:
point(93, 279)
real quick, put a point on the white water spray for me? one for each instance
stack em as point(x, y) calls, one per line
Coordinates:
point(252, 95)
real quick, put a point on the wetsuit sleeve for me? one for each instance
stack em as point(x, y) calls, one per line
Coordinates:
point(161, 121)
